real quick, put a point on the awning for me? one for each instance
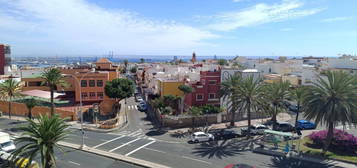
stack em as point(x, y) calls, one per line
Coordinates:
point(288, 134)
point(41, 94)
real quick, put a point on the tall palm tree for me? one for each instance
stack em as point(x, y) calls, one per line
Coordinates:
point(40, 139)
point(332, 100)
point(10, 89)
point(230, 93)
point(250, 96)
point(186, 90)
point(276, 93)
point(52, 78)
point(30, 104)
point(298, 95)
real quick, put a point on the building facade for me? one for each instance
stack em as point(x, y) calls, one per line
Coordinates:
point(5, 59)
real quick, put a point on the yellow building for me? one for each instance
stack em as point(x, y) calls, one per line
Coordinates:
point(272, 78)
point(169, 87)
point(292, 79)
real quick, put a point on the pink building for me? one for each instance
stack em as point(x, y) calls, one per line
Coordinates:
point(206, 91)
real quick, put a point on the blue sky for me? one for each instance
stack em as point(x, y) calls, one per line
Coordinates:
point(179, 27)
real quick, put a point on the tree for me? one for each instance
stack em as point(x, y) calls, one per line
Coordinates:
point(52, 78)
point(276, 93)
point(186, 90)
point(40, 139)
point(332, 100)
point(222, 62)
point(298, 95)
point(230, 93)
point(194, 112)
point(119, 88)
point(249, 91)
point(30, 104)
point(133, 69)
point(126, 63)
point(142, 60)
point(10, 89)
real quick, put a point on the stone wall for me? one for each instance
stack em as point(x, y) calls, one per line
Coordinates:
point(20, 109)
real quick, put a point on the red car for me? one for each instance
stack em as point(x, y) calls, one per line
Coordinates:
point(239, 166)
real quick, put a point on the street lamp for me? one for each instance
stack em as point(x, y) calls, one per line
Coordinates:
point(81, 104)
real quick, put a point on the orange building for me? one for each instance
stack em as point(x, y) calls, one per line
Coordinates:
point(83, 81)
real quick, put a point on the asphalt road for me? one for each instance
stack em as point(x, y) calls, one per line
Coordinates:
point(140, 139)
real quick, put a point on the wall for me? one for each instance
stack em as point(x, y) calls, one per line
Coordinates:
point(95, 89)
point(21, 110)
point(170, 88)
point(106, 106)
point(2, 59)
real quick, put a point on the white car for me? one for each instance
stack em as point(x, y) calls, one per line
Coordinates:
point(6, 144)
point(255, 129)
point(201, 137)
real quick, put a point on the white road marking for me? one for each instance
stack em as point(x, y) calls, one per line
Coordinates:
point(107, 142)
point(155, 150)
point(196, 160)
point(129, 107)
point(74, 163)
point(140, 148)
point(135, 132)
point(133, 135)
point(136, 107)
point(124, 144)
point(342, 127)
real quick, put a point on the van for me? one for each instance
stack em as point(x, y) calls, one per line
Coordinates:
point(6, 144)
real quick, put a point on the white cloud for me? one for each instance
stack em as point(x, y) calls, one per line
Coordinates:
point(336, 19)
point(260, 14)
point(286, 29)
point(76, 26)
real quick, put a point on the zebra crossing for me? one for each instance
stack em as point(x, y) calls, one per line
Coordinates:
point(132, 107)
point(136, 134)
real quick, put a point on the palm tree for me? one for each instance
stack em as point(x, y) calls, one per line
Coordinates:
point(230, 93)
point(10, 89)
point(332, 100)
point(276, 93)
point(30, 104)
point(53, 77)
point(186, 90)
point(142, 60)
point(40, 139)
point(298, 95)
point(250, 96)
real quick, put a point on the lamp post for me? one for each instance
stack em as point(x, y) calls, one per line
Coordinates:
point(81, 105)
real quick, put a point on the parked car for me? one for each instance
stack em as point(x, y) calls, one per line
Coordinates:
point(284, 127)
point(6, 144)
point(304, 124)
point(142, 107)
point(238, 166)
point(225, 134)
point(290, 106)
point(201, 137)
point(139, 99)
point(255, 130)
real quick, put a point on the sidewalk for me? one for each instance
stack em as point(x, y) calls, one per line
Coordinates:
point(283, 117)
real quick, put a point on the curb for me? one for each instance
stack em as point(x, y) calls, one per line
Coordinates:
point(105, 130)
point(115, 156)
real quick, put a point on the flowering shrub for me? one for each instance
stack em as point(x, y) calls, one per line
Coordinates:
point(341, 140)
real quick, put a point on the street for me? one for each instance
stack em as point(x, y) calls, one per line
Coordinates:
point(141, 140)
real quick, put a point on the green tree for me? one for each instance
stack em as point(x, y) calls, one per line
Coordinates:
point(126, 62)
point(222, 62)
point(332, 100)
point(186, 90)
point(30, 104)
point(276, 93)
point(230, 93)
point(119, 88)
point(250, 93)
point(171, 100)
point(142, 60)
point(10, 89)
point(195, 112)
point(39, 139)
point(134, 69)
point(52, 78)
point(298, 95)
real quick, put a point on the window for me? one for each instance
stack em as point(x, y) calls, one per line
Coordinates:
point(99, 83)
point(92, 95)
point(211, 96)
point(84, 95)
point(100, 95)
point(212, 82)
point(199, 97)
point(83, 83)
point(91, 83)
